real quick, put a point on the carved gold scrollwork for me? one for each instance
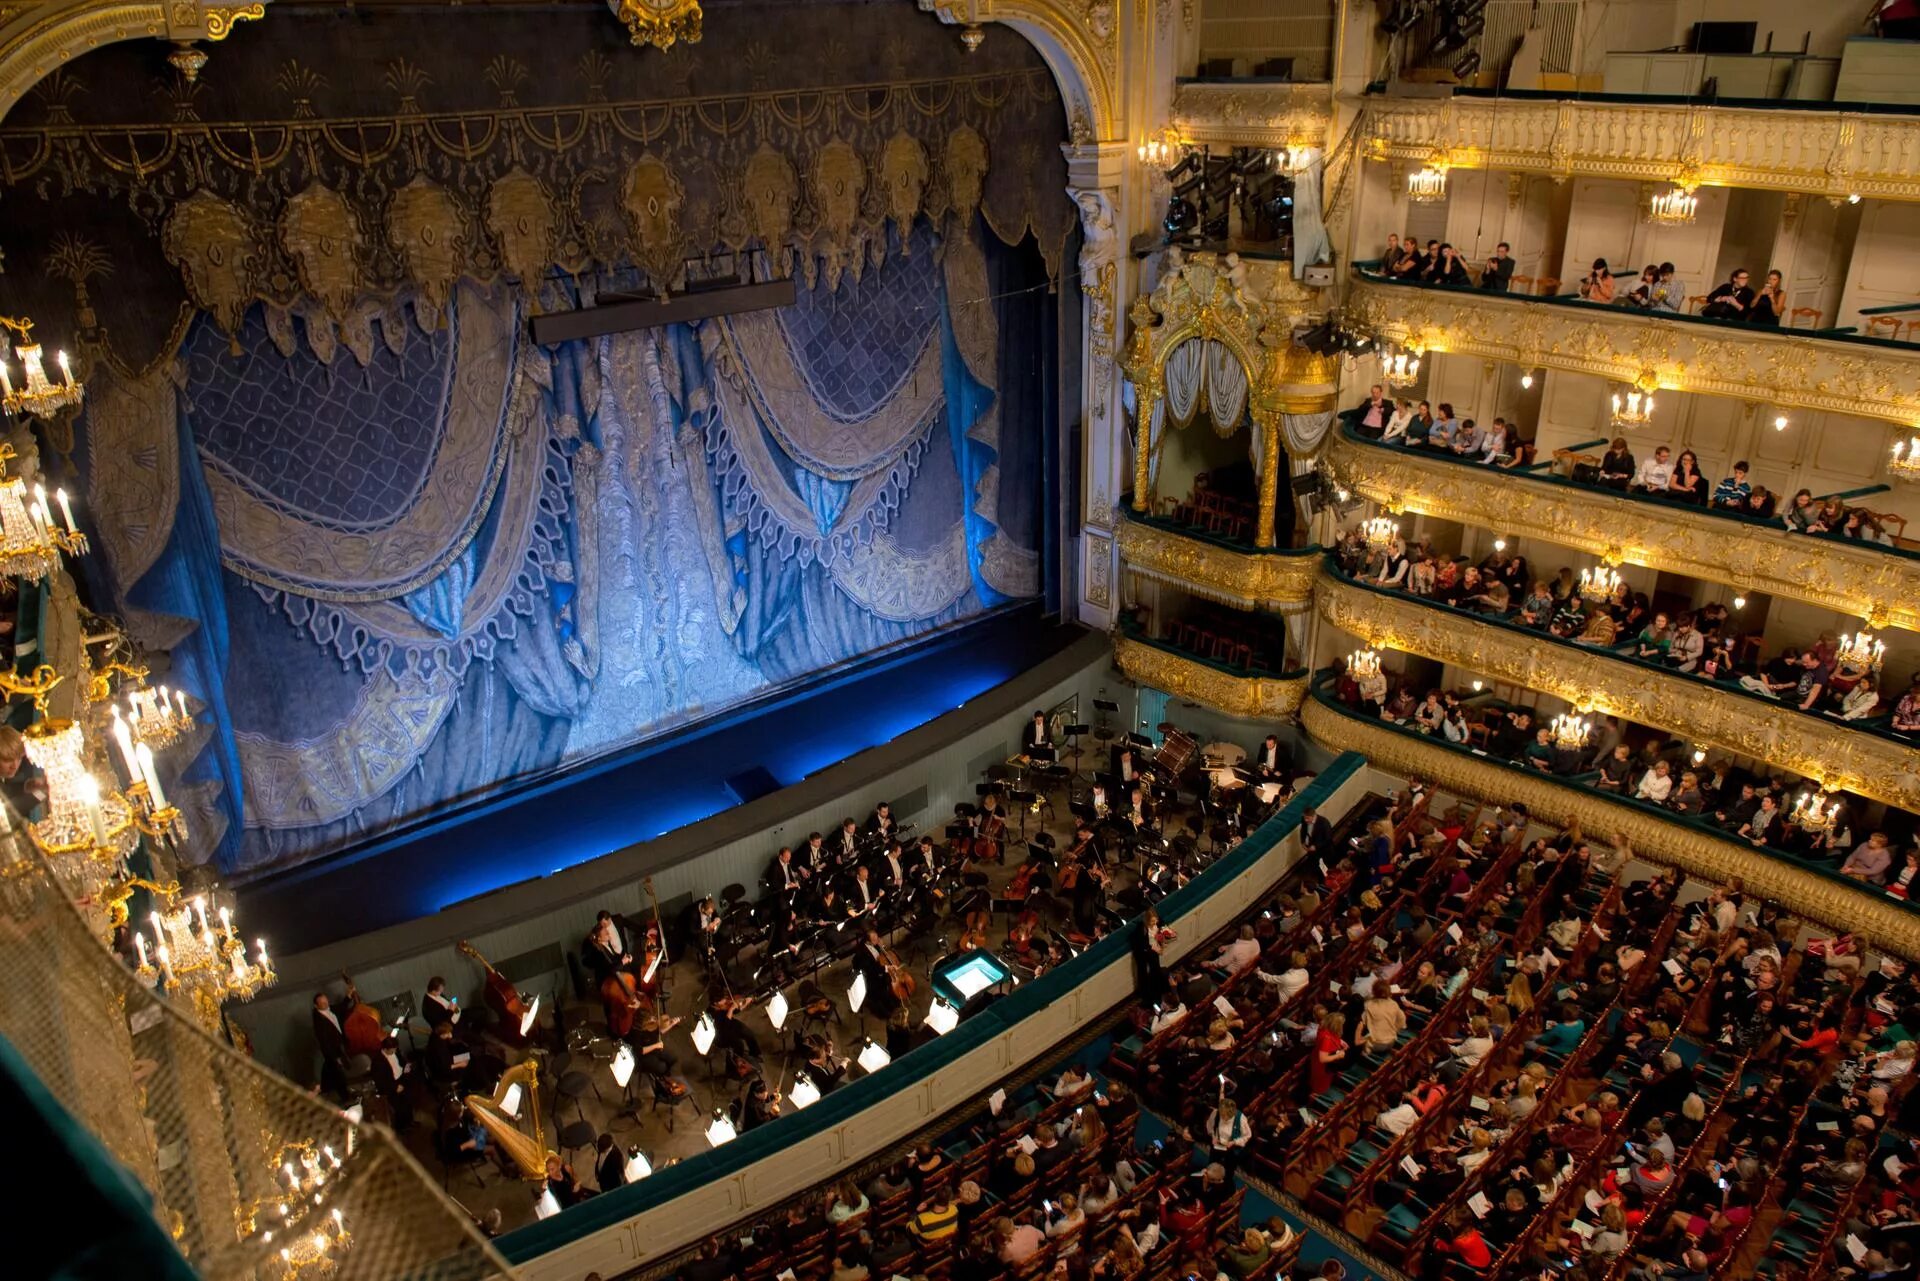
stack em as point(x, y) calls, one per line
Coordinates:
point(1853, 579)
point(1811, 746)
point(1261, 697)
point(1882, 921)
point(661, 23)
point(1243, 579)
point(212, 243)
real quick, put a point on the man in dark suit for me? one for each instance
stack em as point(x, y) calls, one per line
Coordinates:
point(1124, 768)
point(1316, 834)
point(1271, 760)
point(392, 1076)
point(1498, 273)
point(332, 1040)
point(1037, 740)
point(785, 874)
point(439, 1008)
point(609, 1164)
point(881, 822)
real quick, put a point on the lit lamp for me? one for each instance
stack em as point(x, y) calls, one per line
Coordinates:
point(1674, 208)
point(703, 1034)
point(777, 1009)
point(1905, 465)
point(637, 1167)
point(874, 1057)
point(1634, 409)
point(1570, 732)
point(857, 991)
point(1400, 368)
point(1363, 664)
point(35, 393)
point(622, 1065)
point(1812, 815)
point(1427, 185)
point(942, 1018)
point(1526, 381)
point(1779, 422)
point(1861, 650)
point(1599, 582)
point(1382, 532)
point(720, 1130)
point(804, 1093)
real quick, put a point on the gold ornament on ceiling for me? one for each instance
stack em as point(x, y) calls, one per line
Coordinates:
point(660, 23)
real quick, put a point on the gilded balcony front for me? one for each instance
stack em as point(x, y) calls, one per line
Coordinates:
point(1774, 366)
point(1864, 580)
point(1196, 680)
point(1247, 114)
point(1244, 578)
point(1827, 153)
point(1818, 747)
point(1825, 897)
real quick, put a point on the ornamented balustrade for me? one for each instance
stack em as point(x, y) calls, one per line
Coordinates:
point(1875, 764)
point(1827, 153)
point(1188, 677)
point(1879, 584)
point(1868, 378)
point(1242, 114)
point(1817, 894)
point(1244, 577)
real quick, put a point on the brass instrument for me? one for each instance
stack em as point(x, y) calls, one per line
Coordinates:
point(524, 1140)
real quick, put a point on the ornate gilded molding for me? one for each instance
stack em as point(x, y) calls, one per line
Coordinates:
point(1256, 697)
point(36, 39)
point(1776, 366)
point(1848, 577)
point(1253, 115)
point(1597, 680)
point(1884, 922)
point(1245, 580)
point(661, 23)
point(1080, 41)
point(1828, 153)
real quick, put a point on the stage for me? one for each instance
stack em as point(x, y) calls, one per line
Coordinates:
point(625, 802)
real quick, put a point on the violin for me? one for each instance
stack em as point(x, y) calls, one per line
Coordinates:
point(502, 997)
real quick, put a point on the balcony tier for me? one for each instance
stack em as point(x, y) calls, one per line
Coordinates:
point(1865, 377)
point(1240, 576)
point(1185, 676)
point(1867, 580)
point(1873, 764)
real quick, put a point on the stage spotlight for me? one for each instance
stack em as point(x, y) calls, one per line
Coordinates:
point(1467, 64)
point(1181, 216)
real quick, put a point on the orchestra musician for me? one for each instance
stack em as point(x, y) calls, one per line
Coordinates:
point(729, 1032)
point(881, 822)
point(1037, 740)
point(925, 868)
point(439, 1008)
point(825, 1067)
point(605, 949)
point(785, 875)
point(814, 856)
point(1125, 769)
point(706, 924)
point(893, 872)
point(847, 848)
point(1083, 874)
point(1140, 816)
point(649, 1041)
point(990, 830)
point(1270, 760)
point(863, 896)
point(331, 1037)
point(876, 960)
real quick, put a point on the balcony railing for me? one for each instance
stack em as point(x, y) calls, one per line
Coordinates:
point(1825, 152)
point(1804, 887)
point(1867, 580)
point(1216, 568)
point(1840, 373)
point(1252, 113)
point(1185, 675)
point(1863, 757)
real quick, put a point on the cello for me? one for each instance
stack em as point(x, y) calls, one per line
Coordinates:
point(621, 993)
point(993, 826)
point(897, 976)
point(361, 1027)
point(503, 998)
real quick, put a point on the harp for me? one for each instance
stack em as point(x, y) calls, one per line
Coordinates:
point(522, 1137)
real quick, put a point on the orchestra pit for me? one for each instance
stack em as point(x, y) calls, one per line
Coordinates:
point(854, 640)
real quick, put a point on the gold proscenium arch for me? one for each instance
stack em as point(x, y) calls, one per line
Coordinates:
point(1080, 41)
point(1200, 298)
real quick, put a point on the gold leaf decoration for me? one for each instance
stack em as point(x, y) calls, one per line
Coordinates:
point(211, 242)
point(425, 229)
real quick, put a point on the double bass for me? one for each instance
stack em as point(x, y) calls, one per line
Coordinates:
point(993, 827)
point(621, 993)
point(897, 976)
point(503, 998)
point(361, 1028)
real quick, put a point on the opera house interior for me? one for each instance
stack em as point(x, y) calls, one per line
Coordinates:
point(1311, 715)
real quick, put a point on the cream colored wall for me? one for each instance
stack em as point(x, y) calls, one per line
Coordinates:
point(1484, 208)
point(1884, 268)
point(1608, 220)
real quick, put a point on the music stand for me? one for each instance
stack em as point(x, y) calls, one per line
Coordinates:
point(1103, 732)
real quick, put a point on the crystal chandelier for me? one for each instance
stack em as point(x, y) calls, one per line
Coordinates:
point(1427, 185)
point(31, 541)
point(1674, 208)
point(35, 394)
point(1813, 814)
point(1381, 533)
point(189, 952)
point(1400, 368)
point(1598, 582)
point(1570, 732)
point(300, 1182)
point(157, 718)
point(1905, 464)
point(1862, 650)
point(1635, 409)
point(81, 816)
point(1363, 664)
point(1162, 150)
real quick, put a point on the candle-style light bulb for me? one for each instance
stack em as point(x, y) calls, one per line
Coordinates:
point(66, 508)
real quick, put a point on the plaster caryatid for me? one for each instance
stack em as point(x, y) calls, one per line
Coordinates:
point(1860, 579)
point(1099, 277)
point(1773, 366)
point(1835, 154)
point(1827, 751)
point(1832, 901)
point(1252, 313)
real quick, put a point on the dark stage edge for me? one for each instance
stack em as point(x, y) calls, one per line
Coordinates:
point(657, 805)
